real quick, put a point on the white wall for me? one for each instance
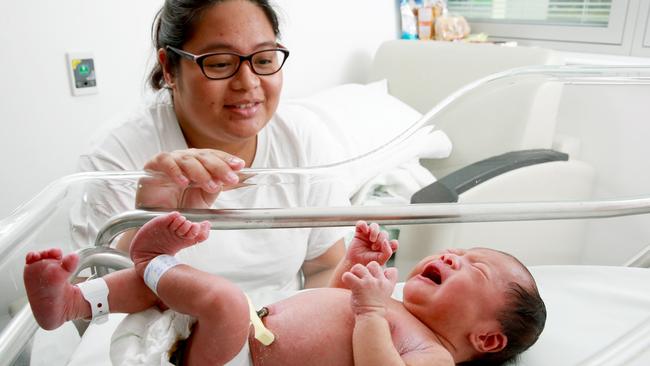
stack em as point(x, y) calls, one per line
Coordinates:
point(610, 124)
point(44, 128)
point(332, 42)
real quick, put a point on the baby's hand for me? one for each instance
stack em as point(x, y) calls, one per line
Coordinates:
point(370, 244)
point(371, 287)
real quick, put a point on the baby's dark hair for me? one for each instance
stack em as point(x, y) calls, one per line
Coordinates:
point(522, 321)
point(175, 22)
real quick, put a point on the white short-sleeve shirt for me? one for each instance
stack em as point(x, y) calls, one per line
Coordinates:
point(256, 259)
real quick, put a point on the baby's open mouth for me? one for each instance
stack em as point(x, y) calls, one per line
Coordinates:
point(432, 272)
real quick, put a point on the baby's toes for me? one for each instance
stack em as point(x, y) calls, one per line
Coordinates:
point(184, 229)
point(54, 253)
point(70, 262)
point(204, 231)
point(193, 231)
point(177, 222)
point(32, 257)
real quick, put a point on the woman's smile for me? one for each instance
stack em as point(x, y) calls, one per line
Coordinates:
point(244, 109)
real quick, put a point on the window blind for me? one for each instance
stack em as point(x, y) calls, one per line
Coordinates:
point(590, 13)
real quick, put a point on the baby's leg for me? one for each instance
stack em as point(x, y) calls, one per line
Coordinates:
point(54, 300)
point(165, 235)
point(221, 308)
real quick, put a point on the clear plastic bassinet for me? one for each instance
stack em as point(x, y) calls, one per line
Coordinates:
point(547, 163)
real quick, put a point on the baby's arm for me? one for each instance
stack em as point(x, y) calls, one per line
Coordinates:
point(369, 244)
point(372, 342)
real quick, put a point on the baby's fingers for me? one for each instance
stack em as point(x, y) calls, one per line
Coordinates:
point(350, 280)
point(391, 275)
point(382, 239)
point(359, 270)
point(375, 269)
point(394, 244)
point(362, 227)
point(374, 232)
point(386, 249)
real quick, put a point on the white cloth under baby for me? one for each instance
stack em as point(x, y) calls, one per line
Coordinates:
point(146, 338)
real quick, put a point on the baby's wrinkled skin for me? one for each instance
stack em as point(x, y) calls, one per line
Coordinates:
point(324, 337)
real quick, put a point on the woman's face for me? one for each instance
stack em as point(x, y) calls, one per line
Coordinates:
point(226, 113)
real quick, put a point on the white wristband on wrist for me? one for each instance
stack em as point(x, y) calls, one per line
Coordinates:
point(96, 293)
point(157, 268)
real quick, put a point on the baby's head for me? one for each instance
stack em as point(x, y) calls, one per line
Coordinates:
point(481, 303)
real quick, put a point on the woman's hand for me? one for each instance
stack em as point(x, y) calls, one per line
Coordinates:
point(191, 178)
point(370, 244)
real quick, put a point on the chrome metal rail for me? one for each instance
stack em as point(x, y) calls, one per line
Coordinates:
point(388, 215)
point(641, 259)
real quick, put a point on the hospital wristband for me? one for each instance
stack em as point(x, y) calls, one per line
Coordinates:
point(96, 293)
point(157, 268)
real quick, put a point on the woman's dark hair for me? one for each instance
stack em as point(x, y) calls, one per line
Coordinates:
point(522, 321)
point(175, 22)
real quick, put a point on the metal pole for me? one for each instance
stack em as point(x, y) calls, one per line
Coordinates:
point(387, 215)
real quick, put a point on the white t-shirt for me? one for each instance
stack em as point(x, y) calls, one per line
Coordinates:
point(260, 259)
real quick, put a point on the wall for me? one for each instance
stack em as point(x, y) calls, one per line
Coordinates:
point(45, 128)
point(609, 124)
point(332, 42)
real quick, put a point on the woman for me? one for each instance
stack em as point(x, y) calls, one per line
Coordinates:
point(221, 64)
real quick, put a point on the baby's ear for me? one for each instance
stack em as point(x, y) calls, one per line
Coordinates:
point(489, 342)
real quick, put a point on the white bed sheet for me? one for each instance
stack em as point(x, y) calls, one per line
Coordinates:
point(589, 307)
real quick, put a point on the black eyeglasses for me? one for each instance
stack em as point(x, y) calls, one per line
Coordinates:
point(222, 65)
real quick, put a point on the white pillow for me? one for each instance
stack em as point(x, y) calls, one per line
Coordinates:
point(361, 117)
point(364, 117)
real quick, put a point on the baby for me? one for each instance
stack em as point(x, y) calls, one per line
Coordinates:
point(459, 307)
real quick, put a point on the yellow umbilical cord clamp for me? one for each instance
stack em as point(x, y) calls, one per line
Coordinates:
point(262, 334)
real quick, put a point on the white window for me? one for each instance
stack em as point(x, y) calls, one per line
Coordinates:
point(609, 26)
point(643, 27)
point(594, 13)
point(646, 40)
point(642, 35)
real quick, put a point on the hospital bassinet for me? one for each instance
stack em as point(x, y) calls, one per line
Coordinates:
point(563, 198)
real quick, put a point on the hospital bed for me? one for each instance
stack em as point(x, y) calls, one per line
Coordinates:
point(599, 308)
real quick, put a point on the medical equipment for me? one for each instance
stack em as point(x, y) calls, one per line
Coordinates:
point(45, 221)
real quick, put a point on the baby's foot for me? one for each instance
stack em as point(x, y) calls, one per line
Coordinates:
point(165, 235)
point(52, 298)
